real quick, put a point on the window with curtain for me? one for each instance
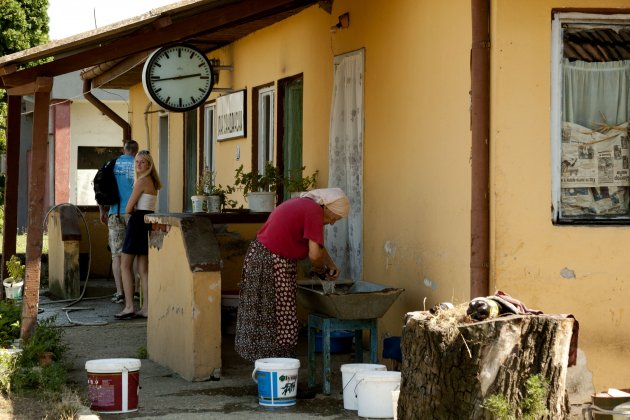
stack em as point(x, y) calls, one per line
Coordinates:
point(590, 114)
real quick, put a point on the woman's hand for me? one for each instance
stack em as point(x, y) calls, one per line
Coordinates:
point(332, 273)
point(321, 261)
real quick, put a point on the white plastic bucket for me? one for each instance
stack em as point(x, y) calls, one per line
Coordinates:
point(349, 381)
point(113, 385)
point(395, 395)
point(374, 392)
point(277, 381)
point(13, 290)
point(622, 410)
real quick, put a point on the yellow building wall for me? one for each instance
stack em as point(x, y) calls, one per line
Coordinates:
point(416, 227)
point(531, 258)
point(416, 136)
point(145, 130)
point(416, 148)
point(183, 327)
point(416, 230)
point(298, 45)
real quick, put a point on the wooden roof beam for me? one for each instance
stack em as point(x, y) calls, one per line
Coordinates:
point(204, 22)
point(118, 70)
point(41, 84)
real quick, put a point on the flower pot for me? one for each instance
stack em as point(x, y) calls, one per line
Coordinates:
point(261, 202)
point(199, 203)
point(46, 358)
point(13, 289)
point(214, 204)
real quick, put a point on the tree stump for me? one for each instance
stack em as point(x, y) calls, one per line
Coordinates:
point(450, 365)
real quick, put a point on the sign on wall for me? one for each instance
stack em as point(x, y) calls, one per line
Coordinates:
point(231, 122)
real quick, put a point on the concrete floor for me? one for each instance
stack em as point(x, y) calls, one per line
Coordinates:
point(92, 333)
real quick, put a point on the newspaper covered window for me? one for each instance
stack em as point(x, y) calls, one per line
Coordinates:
point(590, 115)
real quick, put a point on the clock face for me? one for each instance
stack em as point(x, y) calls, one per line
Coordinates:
point(178, 78)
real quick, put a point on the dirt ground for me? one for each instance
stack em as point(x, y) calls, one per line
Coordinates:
point(21, 408)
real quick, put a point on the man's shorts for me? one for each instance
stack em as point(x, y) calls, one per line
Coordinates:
point(117, 226)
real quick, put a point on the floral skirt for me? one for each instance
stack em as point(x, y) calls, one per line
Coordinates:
point(267, 324)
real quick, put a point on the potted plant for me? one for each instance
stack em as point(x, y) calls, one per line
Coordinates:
point(13, 284)
point(200, 199)
point(222, 193)
point(259, 189)
point(205, 198)
point(296, 182)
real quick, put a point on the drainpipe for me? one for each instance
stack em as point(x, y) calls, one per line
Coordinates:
point(87, 86)
point(480, 150)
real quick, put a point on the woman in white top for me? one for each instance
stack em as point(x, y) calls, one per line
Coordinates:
point(142, 201)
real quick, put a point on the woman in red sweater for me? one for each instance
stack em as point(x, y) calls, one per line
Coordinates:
point(267, 324)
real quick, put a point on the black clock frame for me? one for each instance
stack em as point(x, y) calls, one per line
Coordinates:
point(149, 89)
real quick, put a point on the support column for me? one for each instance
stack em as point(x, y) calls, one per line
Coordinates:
point(61, 127)
point(36, 210)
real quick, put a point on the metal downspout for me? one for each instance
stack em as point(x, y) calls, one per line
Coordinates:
point(480, 150)
point(87, 86)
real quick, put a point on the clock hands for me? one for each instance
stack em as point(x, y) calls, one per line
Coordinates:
point(183, 76)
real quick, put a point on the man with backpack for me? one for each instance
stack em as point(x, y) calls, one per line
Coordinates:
point(116, 218)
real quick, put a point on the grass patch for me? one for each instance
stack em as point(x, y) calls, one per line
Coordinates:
point(28, 385)
point(25, 373)
point(531, 406)
point(20, 244)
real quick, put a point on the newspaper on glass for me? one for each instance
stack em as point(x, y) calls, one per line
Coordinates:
point(595, 170)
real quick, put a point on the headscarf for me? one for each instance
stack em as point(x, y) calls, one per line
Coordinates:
point(334, 199)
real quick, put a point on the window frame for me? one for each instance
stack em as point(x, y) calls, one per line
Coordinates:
point(264, 144)
point(560, 18)
point(209, 137)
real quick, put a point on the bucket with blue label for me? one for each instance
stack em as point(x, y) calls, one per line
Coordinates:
point(277, 381)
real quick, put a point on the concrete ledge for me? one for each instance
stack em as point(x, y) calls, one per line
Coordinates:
point(185, 283)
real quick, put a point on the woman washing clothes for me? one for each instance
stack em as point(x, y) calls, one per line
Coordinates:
point(267, 324)
point(143, 201)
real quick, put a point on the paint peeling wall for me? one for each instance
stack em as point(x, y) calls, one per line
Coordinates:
point(298, 45)
point(416, 233)
point(183, 328)
point(417, 148)
point(558, 269)
point(417, 135)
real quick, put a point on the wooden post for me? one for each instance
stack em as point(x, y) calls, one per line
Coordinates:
point(36, 210)
point(450, 368)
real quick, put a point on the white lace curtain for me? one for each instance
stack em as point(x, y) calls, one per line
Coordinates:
point(596, 93)
point(344, 240)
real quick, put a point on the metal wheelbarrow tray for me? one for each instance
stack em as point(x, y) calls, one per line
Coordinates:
point(351, 300)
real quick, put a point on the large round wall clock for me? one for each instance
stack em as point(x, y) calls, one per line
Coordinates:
point(178, 78)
